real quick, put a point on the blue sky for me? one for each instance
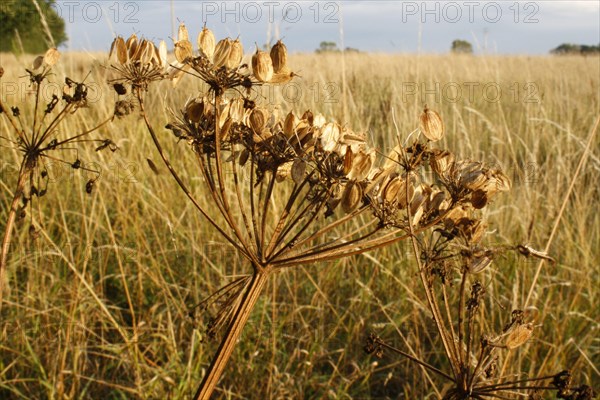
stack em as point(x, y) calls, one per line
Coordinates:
point(497, 27)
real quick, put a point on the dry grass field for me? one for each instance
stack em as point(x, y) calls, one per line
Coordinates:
point(98, 300)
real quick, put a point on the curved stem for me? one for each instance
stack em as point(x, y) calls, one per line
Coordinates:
point(10, 221)
point(251, 296)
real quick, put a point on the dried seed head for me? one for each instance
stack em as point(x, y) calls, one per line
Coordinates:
point(262, 66)
point(51, 57)
point(473, 180)
point(183, 50)
point(222, 50)
point(351, 197)
point(206, 42)
point(361, 164)
point(432, 125)
point(279, 57)
point(182, 34)
point(519, 336)
point(235, 55)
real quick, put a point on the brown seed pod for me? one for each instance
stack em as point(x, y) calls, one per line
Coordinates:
point(1, 72)
point(262, 66)
point(406, 193)
point(37, 63)
point(194, 110)
point(244, 155)
point(289, 124)
point(479, 199)
point(235, 55)
point(298, 170)
point(206, 42)
point(351, 197)
point(519, 336)
point(183, 50)
point(258, 120)
point(51, 57)
point(436, 201)
point(441, 162)
point(432, 125)
point(279, 57)
point(222, 50)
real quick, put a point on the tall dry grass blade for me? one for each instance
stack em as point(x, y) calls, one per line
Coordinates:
point(582, 161)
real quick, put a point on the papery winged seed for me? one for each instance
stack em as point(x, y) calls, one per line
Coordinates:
point(432, 125)
point(162, 52)
point(479, 199)
point(351, 197)
point(417, 215)
point(258, 119)
point(194, 110)
point(298, 170)
point(418, 199)
point(51, 57)
point(206, 42)
point(330, 135)
point(225, 130)
point(222, 50)
point(308, 116)
point(131, 45)
point(37, 63)
point(442, 162)
point(436, 200)
point(235, 55)
point(183, 50)
point(283, 172)
point(262, 66)
point(244, 155)
point(279, 57)
point(182, 33)
point(348, 159)
point(478, 264)
point(406, 193)
point(121, 48)
point(391, 190)
point(361, 166)
point(474, 180)
point(519, 336)
point(282, 77)
point(289, 124)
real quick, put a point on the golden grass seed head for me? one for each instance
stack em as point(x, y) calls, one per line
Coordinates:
point(432, 125)
point(262, 66)
point(519, 336)
point(206, 42)
point(279, 57)
point(51, 57)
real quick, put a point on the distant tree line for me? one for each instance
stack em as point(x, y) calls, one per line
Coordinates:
point(462, 47)
point(22, 26)
point(570, 48)
point(331, 47)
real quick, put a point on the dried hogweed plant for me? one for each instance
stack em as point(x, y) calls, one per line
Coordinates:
point(451, 259)
point(40, 135)
point(296, 190)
